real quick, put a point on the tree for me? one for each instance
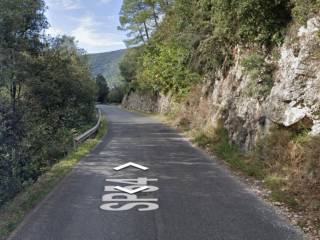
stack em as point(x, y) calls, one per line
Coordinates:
point(103, 89)
point(154, 10)
point(46, 95)
point(164, 70)
point(139, 18)
point(132, 21)
point(165, 4)
point(131, 63)
point(60, 101)
point(116, 95)
point(21, 25)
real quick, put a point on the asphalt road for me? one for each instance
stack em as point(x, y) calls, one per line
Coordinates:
point(197, 198)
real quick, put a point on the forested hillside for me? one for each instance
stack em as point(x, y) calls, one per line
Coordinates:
point(46, 95)
point(107, 64)
point(242, 77)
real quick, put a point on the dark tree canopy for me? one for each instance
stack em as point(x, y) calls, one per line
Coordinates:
point(103, 89)
point(46, 95)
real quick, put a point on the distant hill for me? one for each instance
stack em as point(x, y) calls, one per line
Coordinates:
point(107, 64)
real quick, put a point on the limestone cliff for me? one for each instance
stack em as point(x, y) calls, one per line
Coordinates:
point(293, 98)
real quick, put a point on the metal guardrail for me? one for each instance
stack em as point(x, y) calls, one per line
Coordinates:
point(84, 136)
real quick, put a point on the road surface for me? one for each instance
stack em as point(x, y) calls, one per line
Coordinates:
point(197, 198)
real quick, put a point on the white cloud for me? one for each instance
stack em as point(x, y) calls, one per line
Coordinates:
point(90, 35)
point(65, 4)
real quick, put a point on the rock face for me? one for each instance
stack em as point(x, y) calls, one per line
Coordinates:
point(294, 97)
point(142, 101)
point(296, 94)
point(244, 116)
point(146, 102)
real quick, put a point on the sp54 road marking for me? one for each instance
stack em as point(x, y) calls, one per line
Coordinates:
point(123, 198)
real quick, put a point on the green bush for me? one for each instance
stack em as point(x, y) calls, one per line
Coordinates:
point(211, 55)
point(116, 95)
point(304, 9)
point(131, 63)
point(262, 21)
point(164, 70)
point(57, 101)
point(261, 74)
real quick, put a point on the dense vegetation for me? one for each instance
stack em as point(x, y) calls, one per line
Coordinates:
point(103, 89)
point(197, 40)
point(107, 64)
point(46, 95)
point(197, 37)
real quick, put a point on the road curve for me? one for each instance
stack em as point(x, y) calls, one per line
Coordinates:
point(197, 198)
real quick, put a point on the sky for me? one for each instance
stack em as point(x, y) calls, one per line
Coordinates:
point(93, 23)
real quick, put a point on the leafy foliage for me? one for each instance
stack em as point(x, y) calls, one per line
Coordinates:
point(131, 64)
point(46, 95)
point(103, 89)
point(260, 73)
point(164, 70)
point(139, 18)
point(304, 9)
point(198, 37)
point(116, 95)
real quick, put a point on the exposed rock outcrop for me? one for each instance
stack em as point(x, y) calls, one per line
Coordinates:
point(294, 97)
point(296, 93)
point(147, 102)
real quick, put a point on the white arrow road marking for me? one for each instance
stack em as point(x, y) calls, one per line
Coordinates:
point(131, 191)
point(132, 165)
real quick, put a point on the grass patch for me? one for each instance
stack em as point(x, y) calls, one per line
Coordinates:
point(279, 193)
point(286, 197)
point(12, 213)
point(287, 160)
point(274, 182)
point(217, 141)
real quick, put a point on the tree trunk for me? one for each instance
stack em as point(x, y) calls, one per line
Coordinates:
point(155, 15)
point(13, 96)
point(146, 30)
point(141, 35)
